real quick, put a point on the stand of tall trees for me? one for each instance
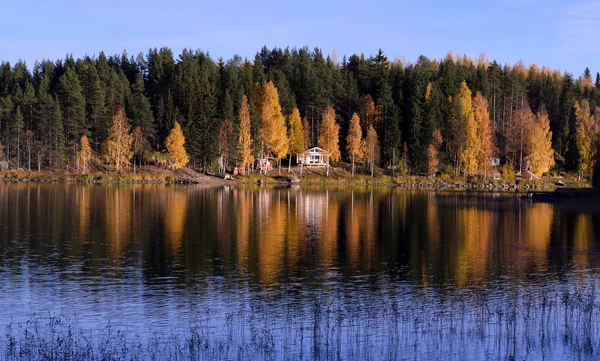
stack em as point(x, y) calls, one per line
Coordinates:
point(448, 115)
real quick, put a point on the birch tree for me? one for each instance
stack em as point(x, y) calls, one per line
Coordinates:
point(118, 145)
point(354, 139)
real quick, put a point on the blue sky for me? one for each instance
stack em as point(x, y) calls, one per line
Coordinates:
point(561, 35)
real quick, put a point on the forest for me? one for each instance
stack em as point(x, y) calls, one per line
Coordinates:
point(457, 115)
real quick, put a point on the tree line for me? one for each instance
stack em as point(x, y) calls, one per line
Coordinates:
point(452, 115)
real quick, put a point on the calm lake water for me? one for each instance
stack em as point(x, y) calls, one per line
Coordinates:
point(294, 273)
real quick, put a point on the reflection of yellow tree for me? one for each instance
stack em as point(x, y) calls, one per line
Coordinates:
point(243, 210)
point(118, 218)
point(473, 227)
point(175, 211)
point(295, 229)
point(82, 195)
point(353, 223)
point(328, 229)
point(537, 226)
point(272, 236)
point(582, 229)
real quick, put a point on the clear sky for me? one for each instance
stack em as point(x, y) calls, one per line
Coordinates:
point(562, 35)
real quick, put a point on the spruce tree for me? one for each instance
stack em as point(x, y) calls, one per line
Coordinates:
point(72, 104)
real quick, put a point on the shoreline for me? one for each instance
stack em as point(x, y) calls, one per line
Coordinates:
point(188, 177)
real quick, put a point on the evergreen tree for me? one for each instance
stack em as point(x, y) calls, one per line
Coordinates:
point(72, 104)
point(389, 125)
point(140, 111)
point(17, 135)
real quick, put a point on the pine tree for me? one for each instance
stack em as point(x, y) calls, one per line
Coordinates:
point(353, 142)
point(49, 118)
point(72, 104)
point(389, 125)
point(84, 155)
point(93, 92)
point(118, 146)
point(174, 143)
point(17, 134)
point(224, 143)
point(140, 111)
point(244, 138)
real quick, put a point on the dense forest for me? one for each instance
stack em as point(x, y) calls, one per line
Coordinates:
point(452, 115)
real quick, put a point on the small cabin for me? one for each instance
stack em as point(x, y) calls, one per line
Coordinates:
point(314, 156)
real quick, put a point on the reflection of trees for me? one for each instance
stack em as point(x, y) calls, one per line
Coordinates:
point(175, 216)
point(582, 231)
point(243, 209)
point(271, 242)
point(117, 218)
point(83, 206)
point(473, 227)
point(536, 230)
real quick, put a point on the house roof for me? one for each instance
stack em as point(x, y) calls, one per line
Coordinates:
point(315, 150)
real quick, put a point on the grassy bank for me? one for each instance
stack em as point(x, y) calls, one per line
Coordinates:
point(342, 176)
point(143, 175)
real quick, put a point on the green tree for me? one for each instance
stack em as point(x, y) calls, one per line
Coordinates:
point(389, 125)
point(140, 111)
point(17, 134)
point(72, 104)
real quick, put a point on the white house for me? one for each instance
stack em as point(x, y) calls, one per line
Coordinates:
point(314, 156)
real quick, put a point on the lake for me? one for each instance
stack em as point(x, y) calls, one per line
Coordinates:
point(290, 273)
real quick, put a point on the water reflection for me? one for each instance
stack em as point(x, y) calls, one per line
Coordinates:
point(154, 254)
point(270, 234)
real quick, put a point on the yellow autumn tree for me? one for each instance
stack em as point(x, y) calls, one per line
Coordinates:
point(244, 137)
point(371, 148)
point(354, 139)
point(138, 145)
point(484, 134)
point(118, 145)
point(463, 143)
point(585, 138)
point(84, 155)
point(432, 153)
point(540, 155)
point(295, 135)
point(272, 127)
point(174, 143)
point(329, 134)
